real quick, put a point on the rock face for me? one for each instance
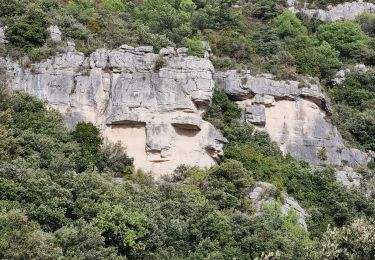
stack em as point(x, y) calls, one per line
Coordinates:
point(348, 177)
point(294, 114)
point(2, 36)
point(263, 192)
point(154, 112)
point(347, 11)
point(55, 33)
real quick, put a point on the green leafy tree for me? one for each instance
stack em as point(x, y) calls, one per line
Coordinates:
point(122, 228)
point(320, 61)
point(345, 36)
point(90, 141)
point(21, 238)
point(288, 25)
point(29, 30)
point(82, 240)
point(354, 241)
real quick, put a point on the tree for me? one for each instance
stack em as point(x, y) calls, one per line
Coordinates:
point(319, 61)
point(345, 36)
point(124, 229)
point(354, 241)
point(83, 240)
point(23, 239)
point(29, 30)
point(90, 141)
point(288, 25)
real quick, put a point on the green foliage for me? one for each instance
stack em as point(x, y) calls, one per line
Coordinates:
point(288, 25)
point(354, 108)
point(320, 61)
point(21, 238)
point(264, 9)
point(122, 228)
point(354, 241)
point(195, 47)
point(345, 36)
point(28, 30)
point(88, 136)
point(367, 23)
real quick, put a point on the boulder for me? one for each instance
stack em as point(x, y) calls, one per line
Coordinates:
point(255, 114)
point(55, 33)
point(348, 177)
point(2, 36)
point(262, 193)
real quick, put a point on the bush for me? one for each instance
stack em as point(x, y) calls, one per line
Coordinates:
point(345, 36)
point(29, 30)
point(195, 47)
point(88, 137)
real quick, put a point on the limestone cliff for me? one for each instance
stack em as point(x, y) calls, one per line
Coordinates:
point(154, 111)
point(153, 104)
point(347, 10)
point(293, 113)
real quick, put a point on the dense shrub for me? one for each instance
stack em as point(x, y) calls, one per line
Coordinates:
point(345, 36)
point(28, 30)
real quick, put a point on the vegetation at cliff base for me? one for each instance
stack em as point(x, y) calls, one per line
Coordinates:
point(59, 198)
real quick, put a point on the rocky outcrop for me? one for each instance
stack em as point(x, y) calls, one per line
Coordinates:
point(293, 113)
point(55, 33)
point(154, 112)
point(348, 177)
point(2, 36)
point(347, 11)
point(262, 193)
point(342, 74)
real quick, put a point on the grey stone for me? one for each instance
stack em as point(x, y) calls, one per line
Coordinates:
point(347, 11)
point(266, 100)
point(182, 51)
point(71, 46)
point(126, 47)
point(255, 114)
point(2, 36)
point(156, 115)
point(55, 33)
point(297, 116)
point(187, 123)
point(169, 51)
point(144, 49)
point(262, 193)
point(348, 177)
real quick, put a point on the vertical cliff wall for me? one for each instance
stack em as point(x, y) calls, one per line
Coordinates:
point(151, 103)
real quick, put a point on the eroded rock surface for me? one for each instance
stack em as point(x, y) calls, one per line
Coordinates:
point(294, 114)
point(262, 193)
point(348, 177)
point(347, 11)
point(154, 112)
point(2, 36)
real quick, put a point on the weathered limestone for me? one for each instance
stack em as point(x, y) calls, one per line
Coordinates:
point(347, 11)
point(55, 33)
point(157, 115)
point(255, 114)
point(348, 177)
point(342, 74)
point(295, 119)
point(2, 36)
point(262, 193)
